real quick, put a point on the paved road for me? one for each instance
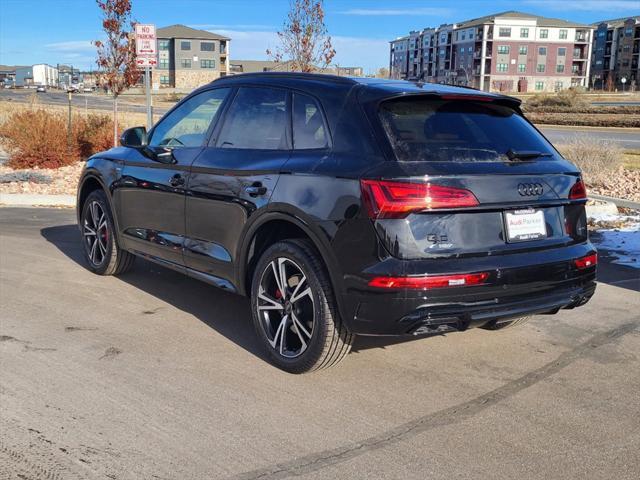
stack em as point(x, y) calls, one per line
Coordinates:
point(153, 375)
point(627, 140)
point(92, 101)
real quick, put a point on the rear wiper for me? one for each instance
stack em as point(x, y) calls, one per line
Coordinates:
point(514, 155)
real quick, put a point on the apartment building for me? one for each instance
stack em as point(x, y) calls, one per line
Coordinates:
point(616, 54)
point(507, 52)
point(189, 58)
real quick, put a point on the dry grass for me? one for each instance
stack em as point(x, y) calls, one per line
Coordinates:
point(632, 159)
point(599, 160)
point(36, 135)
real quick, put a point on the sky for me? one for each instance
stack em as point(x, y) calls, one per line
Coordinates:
point(61, 31)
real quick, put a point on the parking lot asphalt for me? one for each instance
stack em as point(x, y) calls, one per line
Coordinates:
point(153, 375)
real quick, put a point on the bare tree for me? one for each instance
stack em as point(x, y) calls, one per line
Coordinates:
point(382, 73)
point(304, 41)
point(117, 54)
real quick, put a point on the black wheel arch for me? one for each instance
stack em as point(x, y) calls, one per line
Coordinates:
point(275, 219)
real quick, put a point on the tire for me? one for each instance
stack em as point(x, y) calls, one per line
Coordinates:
point(509, 324)
point(100, 245)
point(313, 336)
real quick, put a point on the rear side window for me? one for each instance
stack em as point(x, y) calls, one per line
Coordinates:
point(308, 124)
point(256, 120)
point(439, 130)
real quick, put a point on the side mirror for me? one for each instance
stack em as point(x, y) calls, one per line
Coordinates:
point(135, 137)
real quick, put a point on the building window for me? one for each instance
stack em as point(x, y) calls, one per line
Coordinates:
point(523, 50)
point(628, 32)
point(163, 63)
point(185, 45)
point(504, 32)
point(558, 86)
point(471, 36)
point(563, 34)
point(540, 68)
point(470, 49)
point(601, 34)
point(503, 67)
point(207, 64)
point(524, 33)
point(522, 67)
point(461, 49)
point(544, 33)
point(163, 45)
point(560, 68)
point(503, 49)
point(542, 50)
point(164, 79)
point(207, 46)
point(185, 63)
point(539, 85)
point(574, 68)
point(562, 52)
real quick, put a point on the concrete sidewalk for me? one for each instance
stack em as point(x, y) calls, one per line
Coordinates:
point(35, 200)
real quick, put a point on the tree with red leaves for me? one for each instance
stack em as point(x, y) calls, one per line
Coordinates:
point(117, 54)
point(304, 41)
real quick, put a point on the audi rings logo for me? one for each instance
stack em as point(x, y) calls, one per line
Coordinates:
point(530, 189)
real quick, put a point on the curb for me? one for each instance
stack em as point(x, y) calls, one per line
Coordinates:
point(34, 200)
point(620, 202)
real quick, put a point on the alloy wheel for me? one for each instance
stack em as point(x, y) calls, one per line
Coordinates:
point(96, 233)
point(285, 307)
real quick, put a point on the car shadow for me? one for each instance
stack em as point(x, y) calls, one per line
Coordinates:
point(224, 312)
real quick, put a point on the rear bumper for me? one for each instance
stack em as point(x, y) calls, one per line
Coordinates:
point(519, 285)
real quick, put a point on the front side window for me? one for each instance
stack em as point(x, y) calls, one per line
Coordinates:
point(256, 120)
point(522, 67)
point(187, 125)
point(164, 80)
point(503, 48)
point(544, 33)
point(542, 51)
point(540, 68)
point(524, 32)
point(185, 63)
point(562, 52)
point(503, 67)
point(207, 64)
point(539, 85)
point(207, 46)
point(523, 50)
point(504, 32)
point(163, 63)
point(563, 34)
point(559, 68)
point(440, 130)
point(163, 44)
point(308, 124)
point(185, 45)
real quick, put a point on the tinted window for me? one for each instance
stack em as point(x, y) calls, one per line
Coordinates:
point(308, 125)
point(456, 131)
point(257, 119)
point(187, 125)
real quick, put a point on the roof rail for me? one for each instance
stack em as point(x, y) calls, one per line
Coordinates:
point(291, 75)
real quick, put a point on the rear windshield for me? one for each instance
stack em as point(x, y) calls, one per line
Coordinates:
point(439, 130)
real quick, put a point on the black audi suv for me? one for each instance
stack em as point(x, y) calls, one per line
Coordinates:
point(346, 206)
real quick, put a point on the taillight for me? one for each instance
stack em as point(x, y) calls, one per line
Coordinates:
point(578, 191)
point(586, 262)
point(429, 282)
point(388, 199)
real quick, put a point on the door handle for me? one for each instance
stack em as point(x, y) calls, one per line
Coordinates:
point(256, 189)
point(177, 180)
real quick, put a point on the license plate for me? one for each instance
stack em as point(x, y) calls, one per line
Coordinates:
point(523, 225)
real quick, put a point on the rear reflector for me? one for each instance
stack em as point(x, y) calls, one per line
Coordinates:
point(388, 199)
point(586, 262)
point(578, 191)
point(429, 282)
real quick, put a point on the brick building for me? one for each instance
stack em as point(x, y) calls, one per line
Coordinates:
point(616, 53)
point(508, 52)
point(189, 58)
